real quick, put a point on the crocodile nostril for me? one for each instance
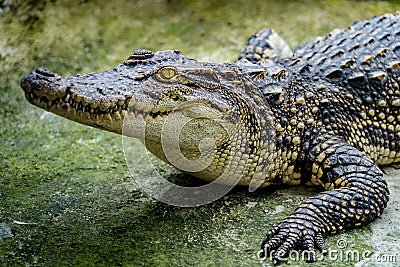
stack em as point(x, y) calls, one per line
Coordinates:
point(45, 72)
point(26, 83)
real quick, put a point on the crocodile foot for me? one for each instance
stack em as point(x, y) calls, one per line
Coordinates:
point(296, 231)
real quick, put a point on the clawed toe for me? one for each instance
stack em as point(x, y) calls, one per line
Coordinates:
point(280, 241)
point(320, 244)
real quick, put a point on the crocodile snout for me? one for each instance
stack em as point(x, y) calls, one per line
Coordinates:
point(44, 85)
point(37, 80)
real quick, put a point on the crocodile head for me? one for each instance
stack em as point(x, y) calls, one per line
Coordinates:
point(168, 101)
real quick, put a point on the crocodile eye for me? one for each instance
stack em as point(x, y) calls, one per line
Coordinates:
point(167, 73)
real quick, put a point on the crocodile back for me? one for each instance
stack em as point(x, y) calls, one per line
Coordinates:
point(359, 67)
point(363, 58)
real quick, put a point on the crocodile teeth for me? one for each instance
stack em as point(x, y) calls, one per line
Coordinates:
point(67, 97)
point(49, 104)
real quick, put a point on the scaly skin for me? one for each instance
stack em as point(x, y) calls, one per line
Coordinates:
point(326, 116)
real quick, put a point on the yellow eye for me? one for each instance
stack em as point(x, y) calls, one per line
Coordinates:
point(168, 73)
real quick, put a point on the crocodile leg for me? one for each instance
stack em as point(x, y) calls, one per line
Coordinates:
point(356, 195)
point(265, 44)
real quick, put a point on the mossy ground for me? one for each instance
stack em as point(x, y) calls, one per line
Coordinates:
point(65, 191)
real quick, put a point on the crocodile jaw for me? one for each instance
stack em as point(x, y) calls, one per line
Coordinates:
point(131, 112)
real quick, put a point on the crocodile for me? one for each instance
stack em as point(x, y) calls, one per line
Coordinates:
point(326, 115)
